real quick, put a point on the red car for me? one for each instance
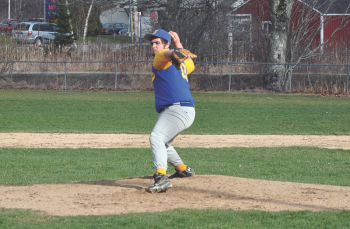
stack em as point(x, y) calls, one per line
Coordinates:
point(7, 25)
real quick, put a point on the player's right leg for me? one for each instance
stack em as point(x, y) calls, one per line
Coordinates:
point(181, 170)
point(170, 123)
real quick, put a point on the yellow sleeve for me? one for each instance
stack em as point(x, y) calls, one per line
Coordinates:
point(189, 65)
point(160, 61)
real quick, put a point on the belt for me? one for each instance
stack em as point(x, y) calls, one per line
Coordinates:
point(184, 104)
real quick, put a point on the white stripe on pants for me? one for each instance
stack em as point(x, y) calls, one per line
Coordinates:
point(171, 121)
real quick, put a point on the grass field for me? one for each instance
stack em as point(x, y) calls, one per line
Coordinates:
point(297, 164)
point(133, 112)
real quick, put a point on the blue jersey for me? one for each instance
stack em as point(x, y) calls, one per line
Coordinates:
point(171, 85)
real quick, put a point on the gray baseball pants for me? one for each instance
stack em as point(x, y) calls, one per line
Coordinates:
point(171, 121)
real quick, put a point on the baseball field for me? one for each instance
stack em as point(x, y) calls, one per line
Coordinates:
point(81, 159)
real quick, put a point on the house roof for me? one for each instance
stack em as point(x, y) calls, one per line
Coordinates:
point(323, 6)
point(329, 6)
point(239, 3)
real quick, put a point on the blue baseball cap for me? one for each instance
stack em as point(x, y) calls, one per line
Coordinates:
point(159, 33)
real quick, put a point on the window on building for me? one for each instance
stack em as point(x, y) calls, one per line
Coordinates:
point(241, 27)
point(266, 27)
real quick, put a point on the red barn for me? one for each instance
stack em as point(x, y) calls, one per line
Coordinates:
point(316, 23)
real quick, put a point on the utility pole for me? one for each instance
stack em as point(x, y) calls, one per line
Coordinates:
point(44, 10)
point(9, 9)
point(130, 24)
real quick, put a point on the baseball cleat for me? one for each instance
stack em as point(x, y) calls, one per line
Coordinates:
point(183, 173)
point(161, 183)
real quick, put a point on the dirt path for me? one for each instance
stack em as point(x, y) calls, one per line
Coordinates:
point(201, 192)
point(34, 140)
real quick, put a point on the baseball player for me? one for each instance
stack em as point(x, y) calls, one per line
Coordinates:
point(173, 102)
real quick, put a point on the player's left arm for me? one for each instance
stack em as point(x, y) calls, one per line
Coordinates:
point(161, 61)
point(189, 65)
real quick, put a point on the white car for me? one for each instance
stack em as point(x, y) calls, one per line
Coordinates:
point(34, 33)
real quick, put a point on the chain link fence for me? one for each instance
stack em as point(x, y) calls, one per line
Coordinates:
point(136, 75)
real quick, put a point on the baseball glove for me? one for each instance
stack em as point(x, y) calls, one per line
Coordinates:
point(179, 55)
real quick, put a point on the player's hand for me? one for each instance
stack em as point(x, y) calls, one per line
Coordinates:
point(175, 39)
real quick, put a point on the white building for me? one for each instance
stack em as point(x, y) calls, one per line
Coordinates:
point(121, 15)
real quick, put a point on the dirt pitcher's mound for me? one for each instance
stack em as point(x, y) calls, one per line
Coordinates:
point(199, 192)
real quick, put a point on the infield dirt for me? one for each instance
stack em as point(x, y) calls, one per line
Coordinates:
point(200, 192)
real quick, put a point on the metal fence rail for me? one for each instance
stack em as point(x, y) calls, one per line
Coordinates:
point(131, 75)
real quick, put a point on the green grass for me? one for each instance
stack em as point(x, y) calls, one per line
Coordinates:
point(74, 111)
point(29, 166)
point(239, 113)
point(5, 40)
point(133, 112)
point(296, 164)
point(179, 218)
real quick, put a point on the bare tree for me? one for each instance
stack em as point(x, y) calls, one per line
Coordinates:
point(87, 20)
point(307, 28)
point(70, 20)
point(280, 17)
point(21, 9)
point(84, 9)
point(296, 28)
point(201, 24)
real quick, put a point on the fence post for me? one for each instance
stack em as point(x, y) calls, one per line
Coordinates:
point(11, 73)
point(116, 76)
point(229, 79)
point(65, 75)
point(290, 79)
point(347, 79)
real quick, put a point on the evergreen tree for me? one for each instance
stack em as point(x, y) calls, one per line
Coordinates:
point(62, 35)
point(95, 26)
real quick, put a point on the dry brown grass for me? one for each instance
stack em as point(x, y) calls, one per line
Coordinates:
point(97, 62)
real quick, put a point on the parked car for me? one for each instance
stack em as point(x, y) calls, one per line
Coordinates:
point(124, 31)
point(36, 20)
point(34, 33)
point(113, 28)
point(107, 29)
point(120, 26)
point(7, 26)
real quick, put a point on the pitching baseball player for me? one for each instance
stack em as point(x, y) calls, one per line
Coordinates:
point(173, 102)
